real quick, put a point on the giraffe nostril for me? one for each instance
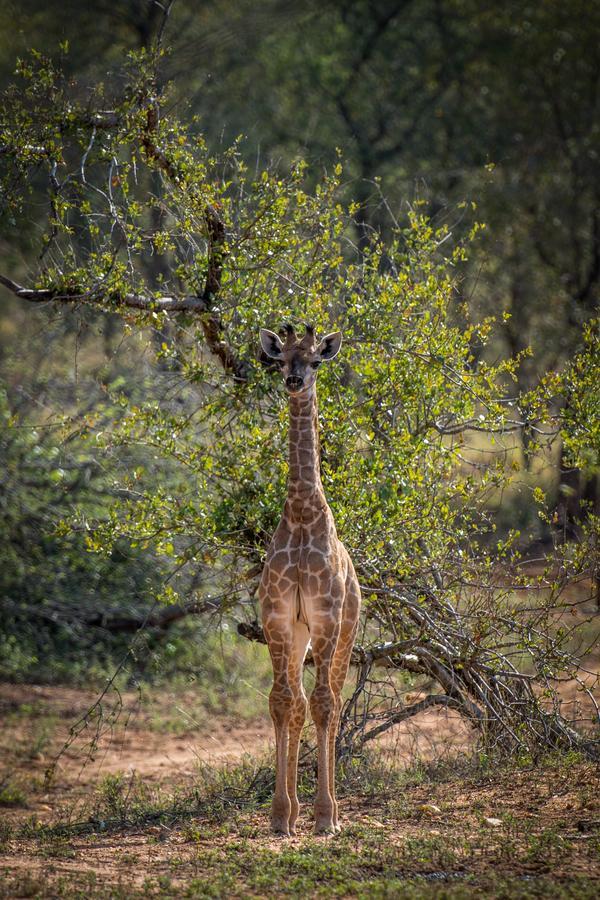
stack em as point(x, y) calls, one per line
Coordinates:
point(294, 381)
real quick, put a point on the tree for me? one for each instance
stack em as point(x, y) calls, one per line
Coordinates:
point(402, 421)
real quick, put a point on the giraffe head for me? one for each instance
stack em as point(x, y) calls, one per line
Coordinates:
point(299, 358)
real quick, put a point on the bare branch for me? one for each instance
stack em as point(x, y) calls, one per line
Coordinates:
point(394, 717)
point(388, 655)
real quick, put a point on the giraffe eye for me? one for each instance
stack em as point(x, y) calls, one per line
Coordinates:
point(316, 363)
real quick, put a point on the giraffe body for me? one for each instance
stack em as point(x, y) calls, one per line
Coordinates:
point(308, 591)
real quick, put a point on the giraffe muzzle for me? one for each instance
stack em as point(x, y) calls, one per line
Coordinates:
point(294, 382)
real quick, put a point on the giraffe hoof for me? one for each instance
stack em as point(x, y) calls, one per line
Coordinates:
point(325, 828)
point(280, 829)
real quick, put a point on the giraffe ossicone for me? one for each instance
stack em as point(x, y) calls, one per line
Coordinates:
point(308, 591)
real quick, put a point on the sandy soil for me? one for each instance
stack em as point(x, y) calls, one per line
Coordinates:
point(141, 743)
point(163, 746)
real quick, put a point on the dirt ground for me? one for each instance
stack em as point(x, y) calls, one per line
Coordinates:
point(537, 822)
point(162, 743)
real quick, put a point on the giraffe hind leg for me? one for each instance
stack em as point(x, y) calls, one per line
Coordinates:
point(339, 673)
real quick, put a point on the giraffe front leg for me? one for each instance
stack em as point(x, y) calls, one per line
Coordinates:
point(322, 707)
point(296, 725)
point(280, 706)
point(281, 699)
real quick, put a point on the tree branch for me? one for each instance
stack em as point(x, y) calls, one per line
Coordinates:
point(119, 621)
point(211, 324)
point(388, 655)
point(134, 301)
point(394, 717)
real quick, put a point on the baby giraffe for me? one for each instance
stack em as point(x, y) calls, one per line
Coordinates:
point(308, 591)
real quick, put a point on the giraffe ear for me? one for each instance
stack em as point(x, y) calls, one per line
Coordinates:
point(271, 343)
point(330, 345)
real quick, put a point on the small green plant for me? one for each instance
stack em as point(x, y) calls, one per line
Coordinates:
point(247, 784)
point(120, 798)
point(545, 847)
point(113, 794)
point(11, 793)
point(57, 847)
point(6, 832)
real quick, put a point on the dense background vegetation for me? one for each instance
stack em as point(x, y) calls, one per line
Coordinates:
point(143, 454)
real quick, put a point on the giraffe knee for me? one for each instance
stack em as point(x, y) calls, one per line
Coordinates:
point(299, 711)
point(322, 705)
point(281, 701)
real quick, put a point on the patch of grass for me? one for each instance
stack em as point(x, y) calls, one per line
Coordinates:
point(127, 801)
point(56, 847)
point(80, 886)
point(360, 863)
point(119, 797)
point(246, 785)
point(6, 833)
point(292, 878)
point(11, 792)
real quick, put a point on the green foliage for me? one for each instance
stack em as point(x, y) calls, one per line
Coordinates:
point(581, 427)
point(414, 382)
point(11, 794)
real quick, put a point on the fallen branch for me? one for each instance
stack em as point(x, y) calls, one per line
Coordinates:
point(495, 702)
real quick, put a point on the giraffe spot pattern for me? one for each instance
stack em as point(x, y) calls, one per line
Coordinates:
point(308, 587)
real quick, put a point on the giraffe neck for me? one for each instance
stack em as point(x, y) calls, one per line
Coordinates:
point(305, 470)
